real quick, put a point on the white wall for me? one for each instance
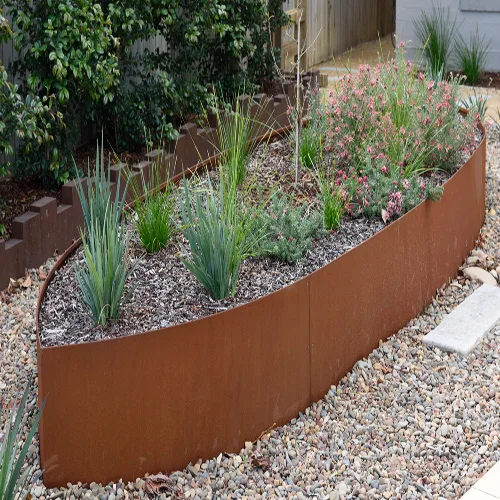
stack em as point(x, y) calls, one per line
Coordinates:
point(470, 13)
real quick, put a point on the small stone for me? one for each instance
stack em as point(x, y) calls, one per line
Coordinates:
point(444, 430)
point(482, 450)
point(473, 260)
point(478, 274)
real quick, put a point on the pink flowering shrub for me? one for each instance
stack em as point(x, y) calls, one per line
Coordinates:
point(387, 127)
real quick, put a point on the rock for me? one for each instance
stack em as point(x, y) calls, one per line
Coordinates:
point(473, 260)
point(478, 274)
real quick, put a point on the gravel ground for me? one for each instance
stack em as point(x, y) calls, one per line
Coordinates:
point(408, 422)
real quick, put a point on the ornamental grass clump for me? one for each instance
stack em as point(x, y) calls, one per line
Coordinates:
point(237, 126)
point(287, 231)
point(435, 30)
point(106, 265)
point(215, 225)
point(390, 124)
point(471, 56)
point(154, 209)
point(312, 136)
point(333, 198)
point(12, 455)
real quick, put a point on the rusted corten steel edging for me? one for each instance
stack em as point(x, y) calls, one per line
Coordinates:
point(156, 401)
point(48, 228)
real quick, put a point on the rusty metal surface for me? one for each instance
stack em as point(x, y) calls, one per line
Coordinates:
point(156, 401)
point(372, 291)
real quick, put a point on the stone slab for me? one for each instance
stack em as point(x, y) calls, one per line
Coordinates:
point(487, 488)
point(466, 325)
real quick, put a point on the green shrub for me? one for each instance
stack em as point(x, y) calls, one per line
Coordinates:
point(106, 262)
point(66, 49)
point(12, 455)
point(28, 118)
point(435, 31)
point(471, 56)
point(215, 224)
point(287, 230)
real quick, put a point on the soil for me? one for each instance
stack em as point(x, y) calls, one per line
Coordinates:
point(489, 80)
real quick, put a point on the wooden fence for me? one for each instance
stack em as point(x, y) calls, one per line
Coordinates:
point(330, 27)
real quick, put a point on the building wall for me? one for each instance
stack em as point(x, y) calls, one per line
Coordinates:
point(484, 14)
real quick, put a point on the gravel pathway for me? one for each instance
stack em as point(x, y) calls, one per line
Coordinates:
point(408, 422)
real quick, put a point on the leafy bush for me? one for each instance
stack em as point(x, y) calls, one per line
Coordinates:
point(106, 263)
point(66, 49)
point(471, 56)
point(435, 31)
point(82, 55)
point(217, 43)
point(29, 118)
point(215, 225)
point(287, 230)
point(383, 192)
point(389, 126)
point(12, 480)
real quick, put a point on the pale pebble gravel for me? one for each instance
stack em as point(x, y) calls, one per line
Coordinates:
point(408, 422)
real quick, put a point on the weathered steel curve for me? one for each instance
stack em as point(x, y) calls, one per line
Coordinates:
point(156, 401)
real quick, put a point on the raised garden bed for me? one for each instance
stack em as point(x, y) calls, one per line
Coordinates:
point(173, 375)
point(125, 406)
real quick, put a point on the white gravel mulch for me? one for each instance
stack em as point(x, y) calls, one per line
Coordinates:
point(408, 422)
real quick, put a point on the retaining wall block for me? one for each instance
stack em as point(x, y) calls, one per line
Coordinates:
point(46, 207)
point(208, 143)
point(119, 171)
point(66, 230)
point(189, 154)
point(70, 197)
point(26, 227)
point(15, 255)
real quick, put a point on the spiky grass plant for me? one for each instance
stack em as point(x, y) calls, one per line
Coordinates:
point(237, 128)
point(312, 136)
point(215, 225)
point(106, 262)
point(310, 147)
point(333, 203)
point(435, 31)
point(476, 104)
point(154, 209)
point(471, 56)
point(12, 480)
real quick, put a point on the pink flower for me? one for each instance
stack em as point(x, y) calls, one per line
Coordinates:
point(384, 169)
point(401, 45)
